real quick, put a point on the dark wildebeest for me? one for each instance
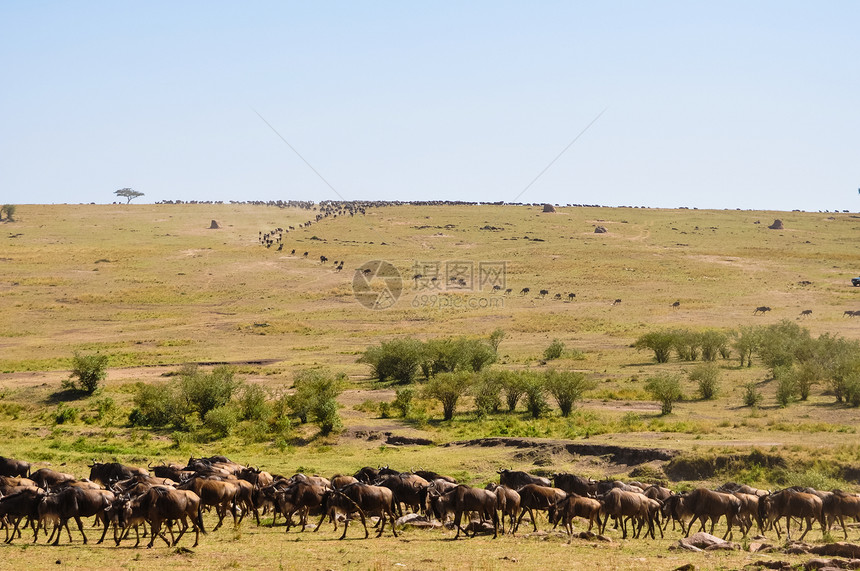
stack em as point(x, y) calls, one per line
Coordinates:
point(544, 292)
point(430, 475)
point(408, 489)
point(23, 503)
point(789, 504)
point(806, 312)
point(525, 290)
point(537, 497)
point(761, 309)
point(338, 481)
point(676, 305)
point(616, 302)
point(72, 503)
point(220, 494)
point(571, 296)
point(364, 499)
point(557, 296)
point(516, 479)
point(301, 497)
point(573, 484)
point(12, 467)
point(704, 504)
point(508, 291)
point(107, 474)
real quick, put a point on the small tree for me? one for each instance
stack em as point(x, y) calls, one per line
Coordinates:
point(395, 360)
point(487, 391)
point(89, 370)
point(128, 194)
point(707, 375)
point(496, 338)
point(9, 211)
point(752, 396)
point(315, 398)
point(202, 392)
point(686, 344)
point(566, 387)
point(746, 342)
point(513, 385)
point(447, 388)
point(554, 351)
point(713, 344)
point(403, 400)
point(658, 341)
point(535, 392)
point(666, 389)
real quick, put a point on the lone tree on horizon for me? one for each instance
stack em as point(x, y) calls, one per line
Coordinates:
point(128, 193)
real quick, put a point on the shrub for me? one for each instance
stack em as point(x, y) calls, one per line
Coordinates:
point(221, 421)
point(554, 351)
point(658, 341)
point(713, 344)
point(403, 401)
point(90, 370)
point(708, 378)
point(566, 387)
point(202, 392)
point(455, 354)
point(65, 414)
point(395, 360)
point(535, 396)
point(666, 389)
point(746, 342)
point(315, 397)
point(752, 396)
point(252, 403)
point(487, 391)
point(781, 343)
point(496, 338)
point(9, 211)
point(514, 386)
point(156, 405)
point(786, 385)
point(686, 344)
point(447, 388)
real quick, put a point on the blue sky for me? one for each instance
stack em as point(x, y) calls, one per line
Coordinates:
point(707, 104)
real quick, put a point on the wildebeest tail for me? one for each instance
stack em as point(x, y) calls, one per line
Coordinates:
point(200, 519)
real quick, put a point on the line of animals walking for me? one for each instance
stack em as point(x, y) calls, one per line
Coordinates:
point(152, 500)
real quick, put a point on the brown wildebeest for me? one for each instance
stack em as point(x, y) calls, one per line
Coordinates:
point(166, 505)
point(430, 475)
point(761, 309)
point(577, 506)
point(220, 494)
point(631, 505)
point(508, 291)
point(536, 497)
point(748, 512)
point(408, 489)
point(509, 504)
point(363, 499)
point(108, 473)
point(704, 504)
point(674, 509)
point(47, 478)
point(301, 497)
point(849, 313)
point(789, 504)
point(464, 499)
point(839, 505)
point(338, 481)
point(573, 484)
point(543, 292)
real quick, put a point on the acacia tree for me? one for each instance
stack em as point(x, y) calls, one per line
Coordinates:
point(447, 388)
point(660, 342)
point(566, 387)
point(128, 193)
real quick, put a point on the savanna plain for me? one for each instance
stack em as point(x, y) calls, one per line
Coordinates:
point(154, 288)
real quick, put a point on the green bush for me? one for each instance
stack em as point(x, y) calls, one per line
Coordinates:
point(253, 403)
point(447, 388)
point(554, 351)
point(713, 344)
point(65, 414)
point(314, 398)
point(487, 391)
point(666, 389)
point(395, 360)
point(566, 387)
point(687, 344)
point(781, 343)
point(202, 392)
point(496, 338)
point(90, 370)
point(455, 354)
point(403, 401)
point(514, 386)
point(9, 211)
point(221, 421)
point(752, 396)
point(707, 375)
point(156, 405)
point(535, 393)
point(786, 386)
point(660, 342)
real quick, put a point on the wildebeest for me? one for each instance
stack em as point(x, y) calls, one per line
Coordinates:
point(14, 507)
point(220, 494)
point(71, 503)
point(789, 504)
point(538, 497)
point(48, 478)
point(12, 467)
point(525, 290)
point(517, 479)
point(166, 505)
point(107, 474)
point(761, 309)
point(464, 499)
point(676, 305)
point(806, 312)
point(616, 302)
point(704, 504)
point(839, 505)
point(363, 499)
point(543, 292)
point(573, 484)
point(571, 296)
point(629, 505)
point(509, 504)
point(407, 489)
point(577, 506)
point(302, 498)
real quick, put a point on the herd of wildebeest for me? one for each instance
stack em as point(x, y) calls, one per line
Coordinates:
point(122, 498)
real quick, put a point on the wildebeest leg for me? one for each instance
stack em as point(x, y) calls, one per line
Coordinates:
point(184, 521)
point(346, 526)
point(80, 527)
point(104, 533)
point(729, 521)
point(808, 527)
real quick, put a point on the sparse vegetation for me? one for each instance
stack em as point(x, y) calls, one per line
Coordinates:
point(89, 370)
point(707, 376)
point(666, 389)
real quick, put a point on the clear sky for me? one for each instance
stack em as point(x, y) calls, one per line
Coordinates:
point(729, 104)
